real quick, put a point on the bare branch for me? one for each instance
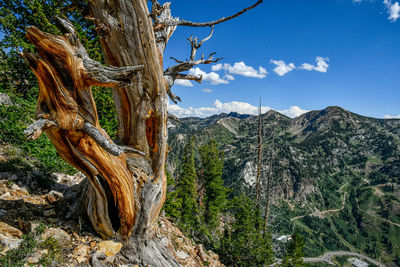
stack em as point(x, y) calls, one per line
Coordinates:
point(211, 23)
point(96, 74)
point(174, 98)
point(176, 60)
point(195, 78)
point(108, 76)
point(174, 72)
point(172, 117)
point(100, 139)
point(34, 130)
point(106, 143)
point(187, 65)
point(196, 45)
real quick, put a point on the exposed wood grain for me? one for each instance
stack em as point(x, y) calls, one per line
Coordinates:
point(127, 180)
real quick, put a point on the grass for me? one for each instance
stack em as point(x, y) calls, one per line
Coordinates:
point(17, 257)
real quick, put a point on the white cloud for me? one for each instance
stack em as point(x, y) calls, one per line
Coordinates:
point(186, 83)
point(281, 67)
point(233, 106)
point(206, 90)
point(393, 9)
point(239, 107)
point(306, 66)
point(321, 65)
point(211, 77)
point(392, 117)
point(293, 111)
point(229, 77)
point(217, 67)
point(192, 112)
point(240, 68)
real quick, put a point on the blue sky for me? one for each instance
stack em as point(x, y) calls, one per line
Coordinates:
point(328, 52)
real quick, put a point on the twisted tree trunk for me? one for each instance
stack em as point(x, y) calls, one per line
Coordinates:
point(127, 178)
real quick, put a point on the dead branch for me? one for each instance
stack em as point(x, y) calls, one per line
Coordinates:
point(163, 32)
point(34, 130)
point(174, 72)
point(96, 74)
point(100, 139)
point(211, 23)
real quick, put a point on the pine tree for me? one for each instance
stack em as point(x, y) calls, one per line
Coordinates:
point(295, 252)
point(173, 204)
point(186, 188)
point(215, 193)
point(242, 243)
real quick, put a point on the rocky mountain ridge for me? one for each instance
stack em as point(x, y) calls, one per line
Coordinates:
point(322, 160)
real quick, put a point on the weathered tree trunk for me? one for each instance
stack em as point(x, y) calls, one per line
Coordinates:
point(269, 180)
point(259, 159)
point(127, 179)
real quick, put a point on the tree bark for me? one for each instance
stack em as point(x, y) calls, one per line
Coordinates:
point(127, 179)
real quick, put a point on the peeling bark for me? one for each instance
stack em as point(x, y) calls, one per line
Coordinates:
point(127, 179)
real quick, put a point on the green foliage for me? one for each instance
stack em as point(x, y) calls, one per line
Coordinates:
point(172, 205)
point(16, 257)
point(186, 189)
point(13, 121)
point(212, 161)
point(295, 252)
point(53, 251)
point(242, 243)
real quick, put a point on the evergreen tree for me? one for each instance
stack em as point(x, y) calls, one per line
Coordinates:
point(242, 243)
point(172, 204)
point(215, 193)
point(186, 188)
point(295, 252)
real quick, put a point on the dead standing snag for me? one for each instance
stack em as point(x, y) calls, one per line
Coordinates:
point(127, 180)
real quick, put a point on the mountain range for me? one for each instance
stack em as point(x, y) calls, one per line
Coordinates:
point(335, 174)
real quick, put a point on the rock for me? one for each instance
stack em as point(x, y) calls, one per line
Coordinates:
point(15, 187)
point(81, 253)
point(182, 255)
point(9, 243)
point(54, 196)
point(3, 212)
point(49, 212)
point(6, 196)
point(8, 230)
point(32, 259)
point(60, 235)
point(25, 226)
point(51, 220)
point(24, 190)
point(5, 99)
point(8, 176)
point(109, 247)
point(201, 253)
point(34, 225)
point(69, 180)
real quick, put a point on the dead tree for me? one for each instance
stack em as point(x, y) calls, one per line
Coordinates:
point(259, 159)
point(269, 180)
point(127, 178)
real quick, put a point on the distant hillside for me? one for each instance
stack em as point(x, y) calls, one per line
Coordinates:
point(336, 174)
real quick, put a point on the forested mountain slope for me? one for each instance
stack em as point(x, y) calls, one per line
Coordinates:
point(335, 174)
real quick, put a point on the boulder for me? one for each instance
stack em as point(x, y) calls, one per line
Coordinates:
point(109, 247)
point(5, 99)
point(60, 235)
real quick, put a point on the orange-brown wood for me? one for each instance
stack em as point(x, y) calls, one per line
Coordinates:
point(65, 97)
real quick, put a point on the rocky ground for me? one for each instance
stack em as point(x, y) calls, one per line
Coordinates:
point(35, 230)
